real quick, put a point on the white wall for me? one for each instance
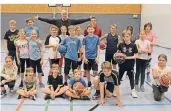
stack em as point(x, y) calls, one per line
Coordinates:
point(160, 17)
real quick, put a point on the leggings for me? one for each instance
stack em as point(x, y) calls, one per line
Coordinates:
point(22, 64)
point(10, 84)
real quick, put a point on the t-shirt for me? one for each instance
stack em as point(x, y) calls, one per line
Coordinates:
point(72, 81)
point(91, 44)
point(128, 50)
point(112, 43)
point(55, 81)
point(10, 37)
point(50, 40)
point(34, 50)
point(29, 84)
point(98, 31)
point(113, 78)
point(72, 44)
point(28, 31)
point(63, 37)
point(143, 45)
point(23, 48)
point(161, 72)
point(81, 37)
point(150, 37)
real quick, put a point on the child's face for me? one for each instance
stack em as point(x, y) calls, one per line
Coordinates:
point(78, 31)
point(12, 26)
point(33, 34)
point(30, 23)
point(77, 76)
point(64, 30)
point(162, 61)
point(22, 34)
point(113, 29)
point(54, 31)
point(107, 72)
point(54, 70)
point(148, 28)
point(90, 30)
point(142, 35)
point(72, 32)
point(9, 62)
point(127, 37)
point(93, 22)
point(30, 75)
point(64, 16)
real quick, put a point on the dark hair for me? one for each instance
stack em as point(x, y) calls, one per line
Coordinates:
point(148, 24)
point(163, 56)
point(9, 57)
point(130, 28)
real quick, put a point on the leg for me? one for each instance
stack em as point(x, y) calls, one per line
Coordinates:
point(3, 91)
point(87, 68)
point(22, 65)
point(11, 84)
point(143, 67)
point(39, 70)
point(121, 72)
point(33, 93)
point(109, 89)
point(60, 63)
point(156, 93)
point(95, 68)
point(86, 93)
point(130, 74)
point(27, 63)
point(21, 92)
point(66, 69)
point(148, 66)
point(33, 65)
point(62, 90)
point(74, 65)
point(46, 90)
point(114, 63)
point(70, 94)
point(138, 69)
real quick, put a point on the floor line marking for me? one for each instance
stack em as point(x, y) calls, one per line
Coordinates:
point(47, 104)
point(71, 105)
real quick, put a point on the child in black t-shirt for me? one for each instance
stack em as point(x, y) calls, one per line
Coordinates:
point(130, 50)
point(55, 81)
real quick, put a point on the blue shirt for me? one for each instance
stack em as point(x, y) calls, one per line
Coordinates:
point(91, 44)
point(72, 44)
point(28, 31)
point(72, 81)
point(34, 50)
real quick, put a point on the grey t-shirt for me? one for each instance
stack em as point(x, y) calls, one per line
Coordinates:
point(29, 84)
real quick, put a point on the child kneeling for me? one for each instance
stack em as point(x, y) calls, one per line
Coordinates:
point(55, 81)
point(73, 94)
point(29, 89)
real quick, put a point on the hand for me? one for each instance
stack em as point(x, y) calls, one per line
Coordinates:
point(27, 94)
point(85, 60)
point(36, 17)
point(79, 59)
point(119, 104)
point(7, 52)
point(75, 92)
point(3, 82)
point(18, 62)
point(41, 62)
point(102, 101)
point(39, 41)
point(97, 60)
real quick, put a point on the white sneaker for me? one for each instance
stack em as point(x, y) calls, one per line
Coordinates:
point(134, 94)
point(114, 94)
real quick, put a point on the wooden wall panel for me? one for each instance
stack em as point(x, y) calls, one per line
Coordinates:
point(75, 8)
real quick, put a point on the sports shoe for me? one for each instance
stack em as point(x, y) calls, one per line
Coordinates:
point(21, 85)
point(148, 77)
point(96, 96)
point(142, 88)
point(32, 98)
point(52, 97)
point(89, 85)
point(11, 90)
point(41, 85)
point(114, 94)
point(19, 97)
point(137, 88)
point(134, 93)
point(84, 98)
point(3, 92)
point(47, 97)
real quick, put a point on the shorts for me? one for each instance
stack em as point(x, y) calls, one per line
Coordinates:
point(68, 63)
point(110, 86)
point(80, 62)
point(35, 64)
point(53, 61)
point(55, 87)
point(91, 65)
point(109, 58)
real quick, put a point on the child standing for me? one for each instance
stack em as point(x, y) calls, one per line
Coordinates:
point(29, 89)
point(91, 53)
point(143, 47)
point(10, 36)
point(130, 50)
point(71, 57)
point(55, 82)
point(22, 53)
point(8, 75)
point(36, 55)
point(72, 93)
point(112, 40)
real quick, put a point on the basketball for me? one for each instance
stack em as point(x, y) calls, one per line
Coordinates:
point(165, 80)
point(119, 58)
point(78, 87)
point(62, 49)
point(103, 45)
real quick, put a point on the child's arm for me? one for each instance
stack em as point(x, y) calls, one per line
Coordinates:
point(104, 36)
point(119, 39)
point(17, 55)
point(118, 102)
point(98, 54)
point(6, 46)
point(41, 53)
point(155, 75)
point(101, 84)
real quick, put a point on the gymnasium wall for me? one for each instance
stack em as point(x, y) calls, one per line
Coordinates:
point(160, 17)
point(121, 16)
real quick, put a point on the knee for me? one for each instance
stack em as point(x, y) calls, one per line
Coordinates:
point(96, 82)
point(11, 84)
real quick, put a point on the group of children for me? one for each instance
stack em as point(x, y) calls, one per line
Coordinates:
point(26, 46)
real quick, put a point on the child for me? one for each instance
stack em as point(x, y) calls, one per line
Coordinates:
point(30, 26)
point(55, 82)
point(22, 53)
point(143, 47)
point(52, 42)
point(62, 36)
point(131, 52)
point(81, 37)
point(36, 55)
point(10, 36)
point(72, 93)
point(91, 53)
point(29, 89)
point(8, 75)
point(71, 57)
point(112, 40)
point(111, 77)
point(157, 71)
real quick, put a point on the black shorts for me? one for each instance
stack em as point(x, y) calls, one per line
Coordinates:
point(110, 86)
point(79, 62)
point(36, 65)
point(22, 64)
point(91, 65)
point(68, 63)
point(53, 61)
point(109, 58)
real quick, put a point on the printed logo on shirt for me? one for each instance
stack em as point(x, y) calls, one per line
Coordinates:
point(71, 42)
point(13, 37)
point(125, 50)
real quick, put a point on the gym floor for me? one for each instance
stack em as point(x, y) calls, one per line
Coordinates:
point(144, 102)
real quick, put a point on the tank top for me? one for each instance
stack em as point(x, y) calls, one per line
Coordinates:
point(112, 43)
